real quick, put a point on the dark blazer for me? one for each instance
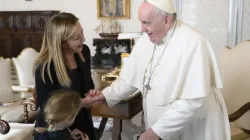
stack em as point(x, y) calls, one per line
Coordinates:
point(83, 120)
point(55, 135)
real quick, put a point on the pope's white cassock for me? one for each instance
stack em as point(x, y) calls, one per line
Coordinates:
point(184, 101)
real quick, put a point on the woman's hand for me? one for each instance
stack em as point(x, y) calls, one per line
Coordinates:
point(93, 93)
point(78, 135)
point(97, 97)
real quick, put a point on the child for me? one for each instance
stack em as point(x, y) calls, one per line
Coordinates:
point(60, 112)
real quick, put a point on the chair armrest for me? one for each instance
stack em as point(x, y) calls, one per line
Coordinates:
point(23, 89)
point(4, 127)
point(26, 102)
point(26, 89)
point(31, 102)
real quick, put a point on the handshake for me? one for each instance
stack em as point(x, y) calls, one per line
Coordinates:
point(92, 98)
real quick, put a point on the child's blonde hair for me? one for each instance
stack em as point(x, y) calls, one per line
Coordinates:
point(62, 104)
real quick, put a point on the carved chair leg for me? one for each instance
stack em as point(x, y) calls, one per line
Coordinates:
point(117, 129)
point(4, 127)
point(26, 113)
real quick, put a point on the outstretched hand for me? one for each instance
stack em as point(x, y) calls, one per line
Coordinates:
point(97, 97)
point(93, 93)
point(93, 97)
point(149, 135)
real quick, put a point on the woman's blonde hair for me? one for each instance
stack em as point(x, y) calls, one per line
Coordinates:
point(62, 104)
point(59, 29)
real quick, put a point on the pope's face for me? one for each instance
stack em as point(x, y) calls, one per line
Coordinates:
point(152, 23)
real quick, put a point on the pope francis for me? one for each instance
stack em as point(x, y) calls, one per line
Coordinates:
point(175, 69)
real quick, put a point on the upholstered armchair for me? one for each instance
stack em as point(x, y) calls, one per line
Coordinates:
point(235, 69)
point(14, 111)
point(23, 65)
point(4, 127)
point(10, 109)
point(16, 131)
point(24, 110)
point(18, 110)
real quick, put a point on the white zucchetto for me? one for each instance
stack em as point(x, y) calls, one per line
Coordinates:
point(165, 5)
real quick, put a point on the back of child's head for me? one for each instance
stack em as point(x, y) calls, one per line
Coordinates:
point(62, 104)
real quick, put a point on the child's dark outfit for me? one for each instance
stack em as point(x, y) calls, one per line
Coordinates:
point(55, 135)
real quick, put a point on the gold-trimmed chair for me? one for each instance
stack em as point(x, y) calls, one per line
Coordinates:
point(20, 131)
point(12, 107)
point(4, 127)
point(20, 107)
point(14, 126)
point(235, 69)
point(23, 65)
point(24, 88)
point(23, 73)
point(16, 131)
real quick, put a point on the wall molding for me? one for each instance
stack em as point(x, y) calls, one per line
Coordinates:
point(178, 7)
point(235, 20)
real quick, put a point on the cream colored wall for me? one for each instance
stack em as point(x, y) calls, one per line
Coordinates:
point(246, 21)
point(84, 9)
point(208, 16)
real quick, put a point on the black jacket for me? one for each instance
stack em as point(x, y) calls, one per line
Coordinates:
point(83, 121)
point(54, 135)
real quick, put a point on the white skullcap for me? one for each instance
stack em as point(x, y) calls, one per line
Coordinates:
point(164, 5)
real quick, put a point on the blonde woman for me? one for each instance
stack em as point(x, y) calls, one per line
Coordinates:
point(64, 62)
point(60, 112)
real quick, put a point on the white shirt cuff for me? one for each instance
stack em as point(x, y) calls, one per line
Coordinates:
point(117, 91)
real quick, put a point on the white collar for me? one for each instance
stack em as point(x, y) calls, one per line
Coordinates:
point(169, 34)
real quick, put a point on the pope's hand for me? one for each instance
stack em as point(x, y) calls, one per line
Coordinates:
point(149, 135)
point(99, 98)
point(93, 93)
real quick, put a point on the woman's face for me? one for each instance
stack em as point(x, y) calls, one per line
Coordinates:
point(75, 42)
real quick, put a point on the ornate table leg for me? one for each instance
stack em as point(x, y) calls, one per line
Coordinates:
point(117, 129)
point(101, 127)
